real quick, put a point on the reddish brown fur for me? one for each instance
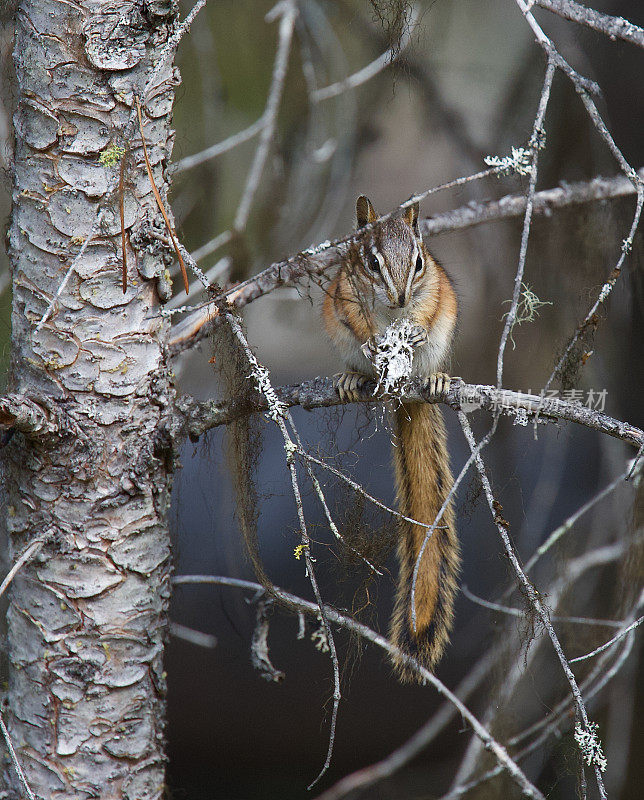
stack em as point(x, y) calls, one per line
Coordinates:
point(423, 481)
point(353, 313)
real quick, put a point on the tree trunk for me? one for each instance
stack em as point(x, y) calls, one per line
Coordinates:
point(88, 614)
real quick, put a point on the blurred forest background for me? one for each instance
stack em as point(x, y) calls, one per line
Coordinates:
point(467, 85)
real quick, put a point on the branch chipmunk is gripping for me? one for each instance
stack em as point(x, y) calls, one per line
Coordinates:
point(387, 275)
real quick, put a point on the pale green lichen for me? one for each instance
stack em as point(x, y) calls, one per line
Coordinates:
point(111, 155)
point(527, 308)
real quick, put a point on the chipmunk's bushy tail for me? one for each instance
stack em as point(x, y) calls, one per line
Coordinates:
point(423, 481)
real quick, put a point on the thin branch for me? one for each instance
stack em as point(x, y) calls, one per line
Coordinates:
point(582, 87)
point(519, 612)
point(551, 51)
point(211, 246)
point(318, 260)
point(220, 147)
point(278, 414)
point(372, 69)
point(90, 236)
point(536, 142)
point(287, 10)
point(363, 778)
point(591, 686)
point(548, 726)
point(14, 759)
point(575, 570)
point(613, 27)
point(359, 490)
point(502, 527)
point(572, 519)
point(318, 490)
point(625, 630)
point(606, 289)
point(313, 261)
point(298, 604)
point(28, 554)
point(545, 203)
point(198, 638)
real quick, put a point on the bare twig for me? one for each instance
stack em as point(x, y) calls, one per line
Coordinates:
point(28, 554)
point(277, 413)
point(545, 203)
point(583, 88)
point(572, 519)
point(198, 638)
point(518, 612)
point(14, 760)
point(287, 10)
point(623, 632)
point(536, 143)
point(578, 80)
point(502, 527)
point(613, 27)
point(90, 236)
point(363, 778)
point(221, 147)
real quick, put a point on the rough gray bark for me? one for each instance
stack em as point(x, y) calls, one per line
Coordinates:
point(87, 616)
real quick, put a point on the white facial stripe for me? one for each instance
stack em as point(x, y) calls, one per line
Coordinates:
point(412, 270)
point(384, 272)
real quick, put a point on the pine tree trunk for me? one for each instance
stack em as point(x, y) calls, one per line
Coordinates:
point(88, 615)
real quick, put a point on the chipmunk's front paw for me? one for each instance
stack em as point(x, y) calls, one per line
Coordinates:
point(349, 385)
point(418, 336)
point(438, 384)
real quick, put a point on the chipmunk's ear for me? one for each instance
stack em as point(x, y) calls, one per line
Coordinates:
point(410, 216)
point(365, 212)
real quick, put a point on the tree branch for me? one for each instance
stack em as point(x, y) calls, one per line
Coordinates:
point(34, 418)
point(316, 261)
point(613, 27)
point(195, 418)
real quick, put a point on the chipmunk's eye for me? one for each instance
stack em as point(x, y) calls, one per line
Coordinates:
point(419, 263)
point(373, 261)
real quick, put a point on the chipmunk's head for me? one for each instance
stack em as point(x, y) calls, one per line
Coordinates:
point(391, 256)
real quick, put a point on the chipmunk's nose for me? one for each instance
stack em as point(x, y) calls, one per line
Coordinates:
point(401, 299)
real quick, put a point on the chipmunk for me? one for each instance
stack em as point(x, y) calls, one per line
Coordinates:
point(387, 274)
